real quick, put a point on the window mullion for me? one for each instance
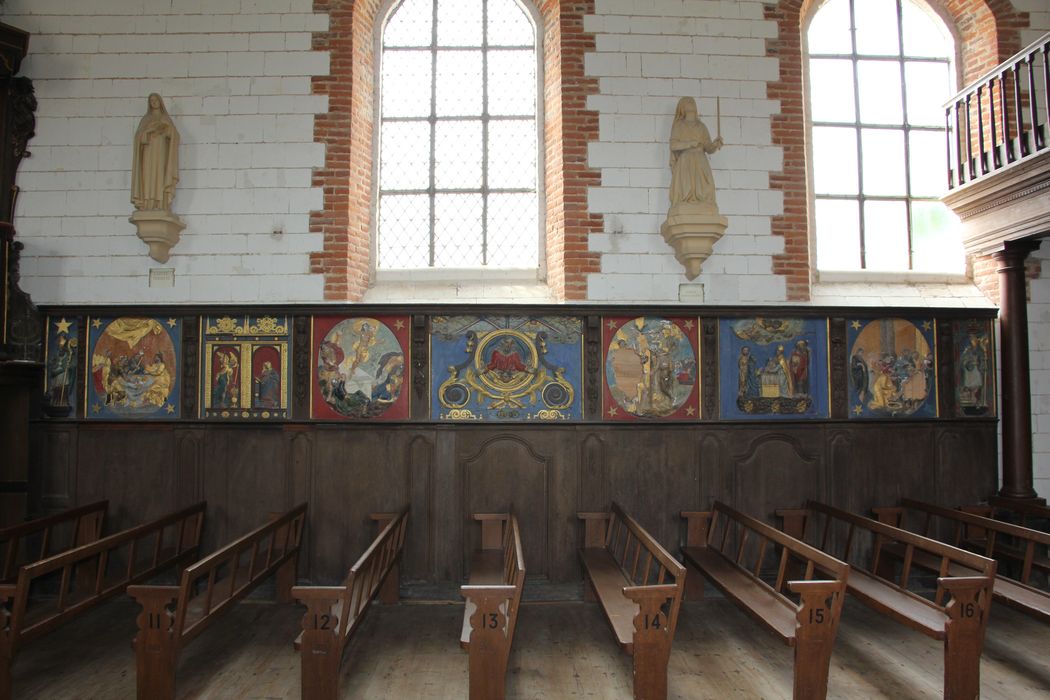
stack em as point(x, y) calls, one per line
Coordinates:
point(857, 130)
point(484, 133)
point(433, 130)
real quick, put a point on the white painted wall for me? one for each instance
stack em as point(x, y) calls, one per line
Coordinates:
point(647, 56)
point(235, 77)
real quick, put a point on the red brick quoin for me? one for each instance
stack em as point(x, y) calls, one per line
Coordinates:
point(346, 131)
point(987, 31)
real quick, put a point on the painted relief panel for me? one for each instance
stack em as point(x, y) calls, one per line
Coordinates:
point(245, 367)
point(133, 368)
point(60, 378)
point(506, 368)
point(892, 368)
point(651, 368)
point(974, 367)
point(773, 368)
point(358, 368)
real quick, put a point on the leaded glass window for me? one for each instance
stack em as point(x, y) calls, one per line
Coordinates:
point(879, 73)
point(458, 151)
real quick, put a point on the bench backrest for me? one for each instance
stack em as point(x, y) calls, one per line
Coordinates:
point(854, 548)
point(367, 574)
point(727, 529)
point(95, 571)
point(222, 578)
point(38, 539)
point(1034, 515)
point(969, 530)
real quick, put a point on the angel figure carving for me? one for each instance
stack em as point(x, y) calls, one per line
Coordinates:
point(155, 166)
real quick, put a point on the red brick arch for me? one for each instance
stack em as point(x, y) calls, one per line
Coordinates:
point(346, 132)
point(988, 32)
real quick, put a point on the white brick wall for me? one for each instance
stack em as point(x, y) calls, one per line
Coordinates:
point(1039, 361)
point(647, 56)
point(235, 77)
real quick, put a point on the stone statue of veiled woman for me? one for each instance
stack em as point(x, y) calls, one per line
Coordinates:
point(691, 179)
point(155, 166)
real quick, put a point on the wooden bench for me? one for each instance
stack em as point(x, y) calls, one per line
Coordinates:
point(497, 574)
point(174, 615)
point(1033, 515)
point(90, 574)
point(986, 536)
point(733, 550)
point(333, 613)
point(959, 608)
point(38, 539)
point(639, 585)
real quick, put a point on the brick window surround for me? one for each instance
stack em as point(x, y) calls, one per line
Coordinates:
point(346, 131)
point(987, 32)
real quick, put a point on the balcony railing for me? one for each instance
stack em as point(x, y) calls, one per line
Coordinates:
point(1001, 119)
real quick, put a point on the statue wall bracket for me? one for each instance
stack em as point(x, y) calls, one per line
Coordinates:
point(692, 230)
point(158, 229)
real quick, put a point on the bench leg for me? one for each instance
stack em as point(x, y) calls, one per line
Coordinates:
point(284, 578)
point(5, 677)
point(652, 645)
point(817, 624)
point(321, 650)
point(390, 591)
point(155, 643)
point(694, 584)
point(964, 638)
point(489, 644)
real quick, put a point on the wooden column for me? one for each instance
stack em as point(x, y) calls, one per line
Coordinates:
point(1017, 392)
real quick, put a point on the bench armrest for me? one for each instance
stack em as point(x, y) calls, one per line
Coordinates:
point(652, 617)
point(891, 515)
point(697, 527)
point(492, 525)
point(794, 521)
point(159, 625)
point(595, 528)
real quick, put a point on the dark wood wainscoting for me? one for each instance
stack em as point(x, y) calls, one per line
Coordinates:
point(546, 473)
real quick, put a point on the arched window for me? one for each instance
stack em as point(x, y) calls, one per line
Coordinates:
point(458, 158)
point(879, 73)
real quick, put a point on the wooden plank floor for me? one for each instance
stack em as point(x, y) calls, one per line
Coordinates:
point(561, 650)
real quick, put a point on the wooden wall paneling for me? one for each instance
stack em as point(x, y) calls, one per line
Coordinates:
point(246, 479)
point(189, 466)
point(301, 367)
point(447, 518)
point(591, 493)
point(509, 470)
point(959, 477)
point(418, 555)
point(775, 467)
point(709, 368)
point(299, 450)
point(190, 365)
point(713, 475)
point(638, 476)
point(841, 467)
point(888, 462)
point(53, 468)
point(131, 465)
point(946, 407)
point(420, 376)
point(837, 356)
point(593, 368)
point(683, 485)
point(562, 531)
point(357, 470)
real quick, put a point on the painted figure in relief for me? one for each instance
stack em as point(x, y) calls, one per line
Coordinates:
point(225, 391)
point(691, 178)
point(650, 367)
point(268, 387)
point(780, 383)
point(892, 369)
point(155, 164)
point(360, 368)
point(61, 371)
point(505, 368)
point(973, 360)
point(133, 366)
